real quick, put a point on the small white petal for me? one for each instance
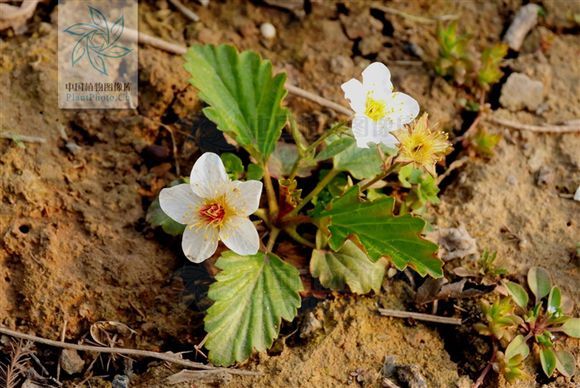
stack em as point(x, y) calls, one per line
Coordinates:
point(577, 194)
point(405, 109)
point(208, 176)
point(245, 197)
point(377, 78)
point(198, 244)
point(368, 131)
point(180, 203)
point(240, 235)
point(355, 94)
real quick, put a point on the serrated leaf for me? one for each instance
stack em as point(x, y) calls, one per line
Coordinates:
point(572, 327)
point(382, 233)
point(252, 294)
point(361, 163)
point(539, 282)
point(565, 363)
point(157, 217)
point(233, 164)
point(548, 360)
point(518, 294)
point(244, 98)
point(517, 347)
point(351, 266)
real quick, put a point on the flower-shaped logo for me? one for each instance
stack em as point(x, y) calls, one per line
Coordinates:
point(97, 40)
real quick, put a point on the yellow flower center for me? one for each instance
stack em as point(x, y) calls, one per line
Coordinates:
point(375, 109)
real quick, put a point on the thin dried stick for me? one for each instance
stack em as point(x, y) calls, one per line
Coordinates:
point(180, 50)
point(25, 10)
point(573, 127)
point(125, 351)
point(419, 316)
point(23, 138)
point(415, 18)
point(452, 167)
point(184, 10)
point(173, 147)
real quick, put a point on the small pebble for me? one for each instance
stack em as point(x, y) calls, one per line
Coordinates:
point(268, 31)
point(71, 362)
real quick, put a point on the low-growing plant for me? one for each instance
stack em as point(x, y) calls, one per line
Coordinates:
point(344, 213)
point(520, 322)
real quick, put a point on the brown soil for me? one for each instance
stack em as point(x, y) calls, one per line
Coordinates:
point(75, 248)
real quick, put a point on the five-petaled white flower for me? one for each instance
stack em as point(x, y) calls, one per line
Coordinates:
point(214, 208)
point(378, 111)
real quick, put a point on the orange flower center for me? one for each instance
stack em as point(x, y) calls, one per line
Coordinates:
point(213, 213)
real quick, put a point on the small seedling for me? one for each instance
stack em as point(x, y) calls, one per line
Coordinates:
point(538, 322)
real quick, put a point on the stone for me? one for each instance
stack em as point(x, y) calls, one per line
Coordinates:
point(268, 31)
point(521, 92)
point(341, 65)
point(71, 362)
point(120, 381)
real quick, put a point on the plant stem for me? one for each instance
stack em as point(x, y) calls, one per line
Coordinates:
point(335, 129)
point(319, 187)
point(272, 201)
point(272, 239)
point(380, 176)
point(486, 370)
point(298, 238)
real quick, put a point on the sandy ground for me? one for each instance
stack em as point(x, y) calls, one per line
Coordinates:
point(75, 248)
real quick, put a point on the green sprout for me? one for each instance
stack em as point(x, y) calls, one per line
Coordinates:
point(490, 73)
point(454, 60)
point(530, 322)
point(484, 143)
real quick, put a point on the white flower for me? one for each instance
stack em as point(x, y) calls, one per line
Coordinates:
point(378, 111)
point(214, 208)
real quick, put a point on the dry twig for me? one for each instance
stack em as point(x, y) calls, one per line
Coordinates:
point(415, 18)
point(127, 352)
point(12, 373)
point(184, 10)
point(572, 126)
point(419, 316)
point(24, 138)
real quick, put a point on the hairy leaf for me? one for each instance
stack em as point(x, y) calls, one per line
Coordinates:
point(518, 294)
point(252, 294)
point(548, 360)
point(350, 265)
point(244, 98)
point(382, 233)
point(539, 282)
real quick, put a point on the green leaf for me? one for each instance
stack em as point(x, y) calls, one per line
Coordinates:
point(361, 163)
point(548, 360)
point(565, 363)
point(157, 217)
point(334, 147)
point(349, 265)
point(382, 233)
point(554, 299)
point(518, 294)
point(254, 172)
point(233, 164)
point(252, 294)
point(244, 98)
point(572, 327)
point(282, 161)
point(539, 282)
point(517, 347)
